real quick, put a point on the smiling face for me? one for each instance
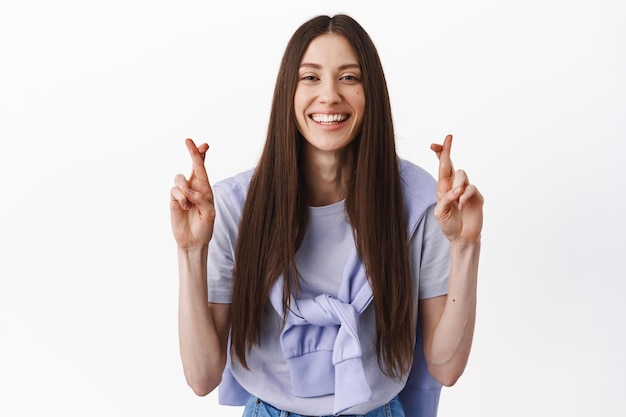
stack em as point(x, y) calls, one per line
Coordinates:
point(329, 101)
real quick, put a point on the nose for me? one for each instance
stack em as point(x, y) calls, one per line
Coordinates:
point(329, 92)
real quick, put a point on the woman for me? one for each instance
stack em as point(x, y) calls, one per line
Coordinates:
point(317, 258)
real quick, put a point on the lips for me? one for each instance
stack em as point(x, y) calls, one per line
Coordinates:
point(329, 119)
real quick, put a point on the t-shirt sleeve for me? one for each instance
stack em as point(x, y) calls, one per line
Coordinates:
point(429, 251)
point(222, 247)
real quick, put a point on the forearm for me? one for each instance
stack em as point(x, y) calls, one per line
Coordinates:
point(202, 350)
point(452, 338)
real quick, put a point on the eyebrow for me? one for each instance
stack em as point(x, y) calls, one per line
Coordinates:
point(318, 66)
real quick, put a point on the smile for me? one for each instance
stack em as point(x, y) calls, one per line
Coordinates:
point(329, 119)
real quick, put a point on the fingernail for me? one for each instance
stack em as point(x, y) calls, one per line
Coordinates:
point(457, 191)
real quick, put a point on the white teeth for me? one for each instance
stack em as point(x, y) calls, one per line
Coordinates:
point(329, 118)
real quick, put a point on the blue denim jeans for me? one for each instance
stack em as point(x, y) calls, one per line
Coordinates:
point(257, 408)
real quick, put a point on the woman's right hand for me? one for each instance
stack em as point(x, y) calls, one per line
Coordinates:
point(191, 203)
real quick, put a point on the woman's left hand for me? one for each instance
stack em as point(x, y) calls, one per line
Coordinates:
point(459, 209)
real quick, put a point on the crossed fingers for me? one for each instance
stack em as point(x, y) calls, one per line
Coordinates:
point(192, 191)
point(451, 185)
point(197, 154)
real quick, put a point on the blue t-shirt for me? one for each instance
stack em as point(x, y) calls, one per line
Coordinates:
point(327, 244)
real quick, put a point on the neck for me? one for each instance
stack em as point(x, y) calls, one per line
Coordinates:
point(327, 176)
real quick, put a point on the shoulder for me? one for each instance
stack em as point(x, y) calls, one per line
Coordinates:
point(417, 183)
point(419, 191)
point(235, 187)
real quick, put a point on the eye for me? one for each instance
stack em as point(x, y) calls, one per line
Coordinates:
point(350, 78)
point(308, 78)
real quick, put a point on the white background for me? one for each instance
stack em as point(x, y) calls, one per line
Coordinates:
point(96, 99)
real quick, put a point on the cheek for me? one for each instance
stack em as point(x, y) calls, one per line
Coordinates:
point(298, 98)
point(297, 108)
point(359, 100)
point(301, 103)
point(300, 122)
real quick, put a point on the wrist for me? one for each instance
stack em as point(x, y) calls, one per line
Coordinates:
point(464, 246)
point(193, 250)
point(192, 254)
point(464, 260)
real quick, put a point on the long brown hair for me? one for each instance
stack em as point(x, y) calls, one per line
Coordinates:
point(274, 216)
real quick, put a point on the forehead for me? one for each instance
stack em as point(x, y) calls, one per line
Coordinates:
point(330, 49)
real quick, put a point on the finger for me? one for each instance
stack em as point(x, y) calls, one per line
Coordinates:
point(202, 149)
point(449, 200)
point(199, 197)
point(181, 182)
point(197, 159)
point(458, 185)
point(460, 181)
point(446, 169)
point(470, 193)
point(436, 148)
point(178, 199)
point(180, 191)
point(444, 156)
point(200, 200)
